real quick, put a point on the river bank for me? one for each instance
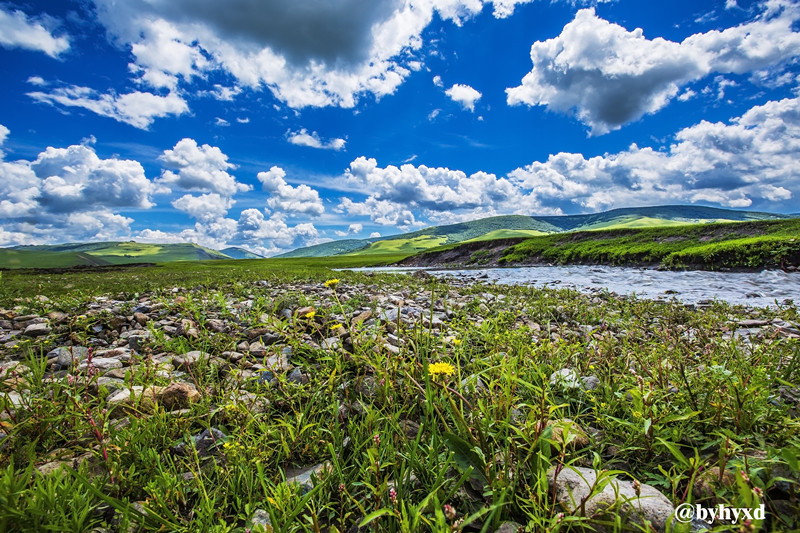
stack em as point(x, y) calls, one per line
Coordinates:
point(405, 403)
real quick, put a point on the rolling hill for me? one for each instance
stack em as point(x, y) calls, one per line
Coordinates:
point(102, 253)
point(504, 227)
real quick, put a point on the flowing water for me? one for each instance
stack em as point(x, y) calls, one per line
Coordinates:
point(695, 286)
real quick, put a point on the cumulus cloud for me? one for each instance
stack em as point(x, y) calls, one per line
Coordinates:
point(609, 76)
point(317, 53)
point(352, 229)
point(464, 95)
point(69, 194)
point(17, 30)
point(312, 140)
point(3, 135)
point(749, 162)
point(287, 199)
point(199, 168)
point(139, 109)
point(374, 235)
point(205, 208)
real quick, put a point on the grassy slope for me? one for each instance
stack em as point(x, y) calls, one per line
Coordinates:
point(512, 225)
point(105, 253)
point(738, 244)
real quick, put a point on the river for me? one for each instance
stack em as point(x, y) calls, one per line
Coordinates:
point(758, 289)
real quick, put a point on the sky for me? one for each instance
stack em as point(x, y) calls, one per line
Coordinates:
point(277, 124)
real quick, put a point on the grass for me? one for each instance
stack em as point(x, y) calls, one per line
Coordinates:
point(771, 244)
point(407, 246)
point(679, 396)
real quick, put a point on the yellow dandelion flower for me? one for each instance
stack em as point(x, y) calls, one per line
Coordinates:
point(332, 282)
point(435, 369)
point(310, 314)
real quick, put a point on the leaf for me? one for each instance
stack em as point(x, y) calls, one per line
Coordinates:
point(465, 456)
point(374, 515)
point(647, 423)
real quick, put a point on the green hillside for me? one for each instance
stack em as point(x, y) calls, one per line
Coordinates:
point(510, 226)
point(102, 253)
point(234, 252)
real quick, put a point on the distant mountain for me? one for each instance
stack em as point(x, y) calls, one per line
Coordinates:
point(235, 252)
point(520, 225)
point(102, 253)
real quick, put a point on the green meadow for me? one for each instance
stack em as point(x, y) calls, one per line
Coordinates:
point(445, 420)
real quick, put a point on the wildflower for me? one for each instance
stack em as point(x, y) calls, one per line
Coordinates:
point(758, 491)
point(332, 282)
point(392, 495)
point(376, 439)
point(336, 326)
point(310, 314)
point(441, 368)
point(456, 342)
point(449, 511)
point(637, 414)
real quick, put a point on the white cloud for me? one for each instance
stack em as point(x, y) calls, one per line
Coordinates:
point(437, 80)
point(464, 95)
point(312, 140)
point(352, 229)
point(287, 199)
point(750, 162)
point(199, 168)
point(205, 208)
point(69, 194)
point(381, 212)
point(374, 235)
point(687, 95)
point(243, 120)
point(37, 80)
point(609, 76)
point(318, 54)
point(138, 109)
point(3, 135)
point(17, 30)
point(221, 122)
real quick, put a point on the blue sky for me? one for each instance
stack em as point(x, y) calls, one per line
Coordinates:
point(282, 124)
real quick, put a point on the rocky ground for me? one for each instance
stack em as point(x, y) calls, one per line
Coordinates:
point(614, 422)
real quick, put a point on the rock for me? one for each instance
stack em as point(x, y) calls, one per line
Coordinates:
point(296, 376)
point(576, 435)
point(572, 488)
point(37, 330)
point(709, 480)
point(510, 527)
point(132, 399)
point(178, 396)
point(566, 377)
point(260, 522)
point(189, 359)
point(207, 442)
point(305, 476)
point(361, 317)
point(102, 364)
point(65, 355)
point(590, 382)
point(252, 402)
point(138, 341)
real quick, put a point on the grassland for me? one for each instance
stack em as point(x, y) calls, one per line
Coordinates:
point(445, 417)
point(762, 244)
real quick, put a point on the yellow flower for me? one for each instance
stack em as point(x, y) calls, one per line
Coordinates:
point(336, 326)
point(332, 282)
point(456, 342)
point(441, 368)
point(310, 314)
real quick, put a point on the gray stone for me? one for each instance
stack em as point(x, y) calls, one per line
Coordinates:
point(305, 476)
point(260, 522)
point(590, 382)
point(566, 377)
point(37, 330)
point(509, 527)
point(67, 354)
point(138, 341)
point(572, 488)
point(101, 363)
point(189, 359)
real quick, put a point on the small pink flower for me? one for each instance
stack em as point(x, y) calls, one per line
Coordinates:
point(449, 511)
point(376, 439)
point(393, 495)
